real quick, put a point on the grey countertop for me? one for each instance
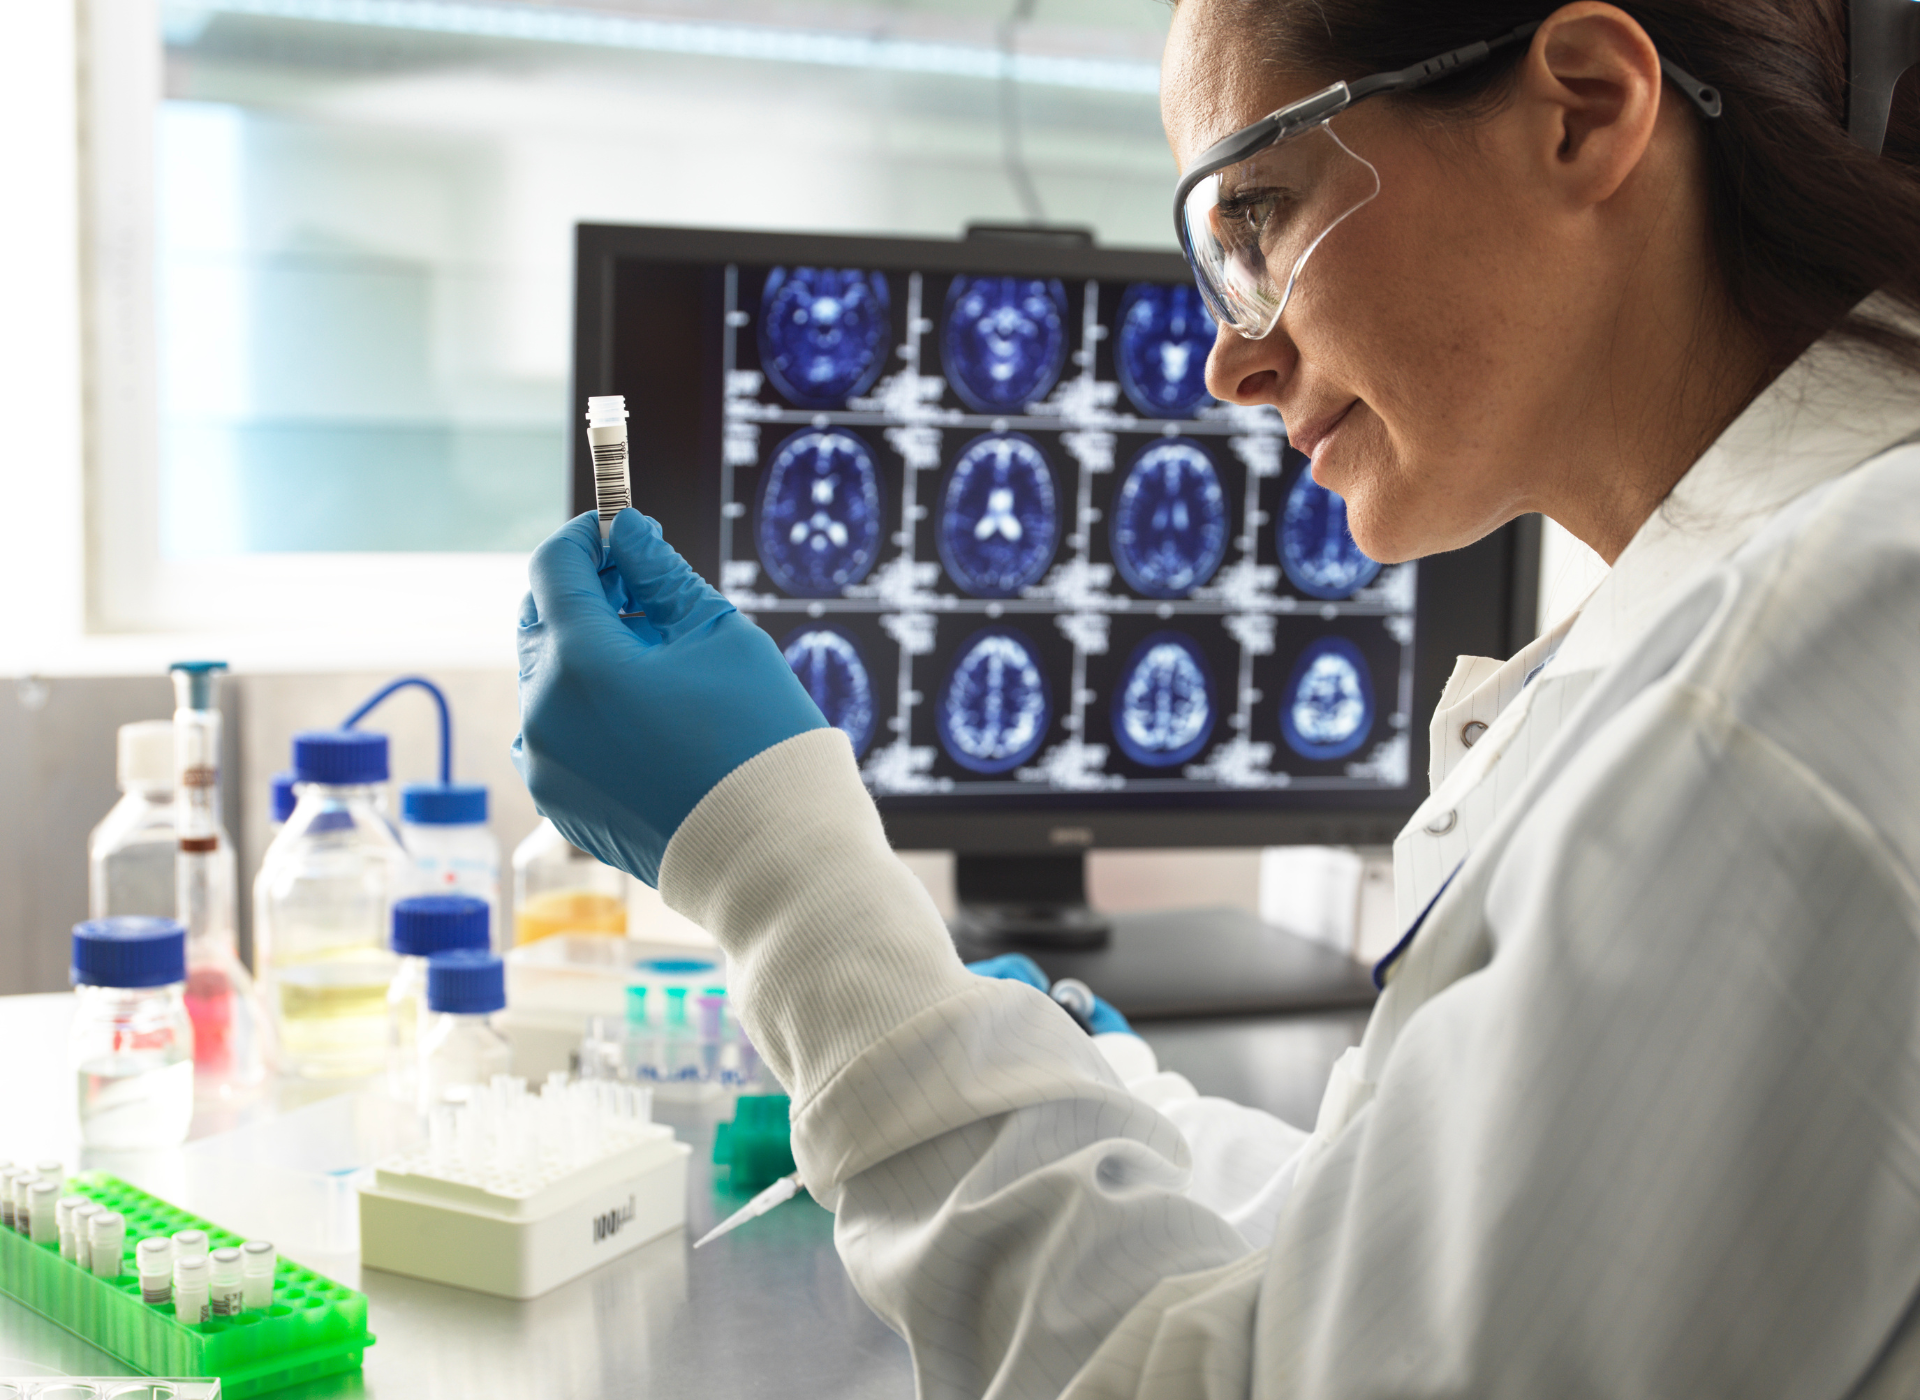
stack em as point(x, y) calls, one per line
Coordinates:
point(767, 1310)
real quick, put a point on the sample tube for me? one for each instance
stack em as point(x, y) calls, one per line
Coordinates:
point(82, 1217)
point(257, 1261)
point(107, 1234)
point(223, 1282)
point(190, 1244)
point(607, 437)
point(63, 1220)
point(190, 1280)
point(42, 1212)
point(6, 1195)
point(51, 1169)
point(153, 1258)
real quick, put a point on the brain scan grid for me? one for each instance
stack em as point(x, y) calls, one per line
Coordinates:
point(1009, 545)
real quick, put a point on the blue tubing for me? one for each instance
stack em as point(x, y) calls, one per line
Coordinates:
point(446, 719)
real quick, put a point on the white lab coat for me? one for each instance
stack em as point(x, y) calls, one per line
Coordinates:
point(1638, 1113)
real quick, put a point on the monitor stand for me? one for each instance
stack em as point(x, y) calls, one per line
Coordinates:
point(1156, 966)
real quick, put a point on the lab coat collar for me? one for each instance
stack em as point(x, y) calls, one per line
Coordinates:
point(1830, 410)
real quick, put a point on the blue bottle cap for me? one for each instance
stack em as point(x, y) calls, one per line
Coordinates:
point(425, 924)
point(284, 798)
point(466, 983)
point(340, 757)
point(129, 951)
point(451, 804)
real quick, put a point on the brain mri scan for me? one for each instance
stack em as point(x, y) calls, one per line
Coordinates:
point(994, 709)
point(1169, 528)
point(1163, 710)
point(1005, 340)
point(819, 527)
point(824, 332)
point(1327, 711)
point(829, 665)
point(999, 517)
point(1316, 549)
point(1165, 334)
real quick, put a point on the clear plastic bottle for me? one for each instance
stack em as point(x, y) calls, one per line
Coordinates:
point(229, 1025)
point(130, 855)
point(559, 888)
point(461, 1048)
point(444, 826)
point(424, 925)
point(323, 906)
point(131, 1045)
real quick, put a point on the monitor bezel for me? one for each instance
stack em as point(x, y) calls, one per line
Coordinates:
point(1503, 567)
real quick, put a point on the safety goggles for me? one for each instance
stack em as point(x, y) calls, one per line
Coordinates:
point(1254, 206)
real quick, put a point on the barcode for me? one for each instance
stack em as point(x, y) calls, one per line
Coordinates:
point(610, 488)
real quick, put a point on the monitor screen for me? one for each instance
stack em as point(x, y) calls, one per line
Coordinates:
point(1051, 590)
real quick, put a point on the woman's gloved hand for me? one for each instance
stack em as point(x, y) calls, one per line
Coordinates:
point(1099, 1016)
point(625, 726)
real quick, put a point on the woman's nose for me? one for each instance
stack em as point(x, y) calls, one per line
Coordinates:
point(1250, 371)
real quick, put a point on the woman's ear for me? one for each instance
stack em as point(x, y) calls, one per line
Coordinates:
point(1589, 96)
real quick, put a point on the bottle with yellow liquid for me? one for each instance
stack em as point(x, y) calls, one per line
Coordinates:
point(323, 906)
point(559, 888)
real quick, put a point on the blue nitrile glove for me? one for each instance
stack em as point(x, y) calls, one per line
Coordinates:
point(624, 727)
point(1018, 967)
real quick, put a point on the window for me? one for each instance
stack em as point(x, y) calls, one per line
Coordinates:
point(333, 246)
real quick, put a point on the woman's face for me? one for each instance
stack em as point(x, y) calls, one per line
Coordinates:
point(1444, 343)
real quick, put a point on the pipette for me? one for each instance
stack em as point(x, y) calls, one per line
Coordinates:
point(782, 1190)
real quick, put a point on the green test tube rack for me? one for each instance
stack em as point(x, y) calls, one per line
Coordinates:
point(315, 1327)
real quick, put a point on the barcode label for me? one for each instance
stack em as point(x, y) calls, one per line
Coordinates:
point(611, 492)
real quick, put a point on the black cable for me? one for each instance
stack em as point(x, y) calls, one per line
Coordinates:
point(1012, 144)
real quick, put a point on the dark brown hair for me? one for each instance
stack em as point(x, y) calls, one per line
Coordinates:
point(1805, 222)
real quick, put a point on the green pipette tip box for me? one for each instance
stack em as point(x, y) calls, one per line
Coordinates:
point(314, 1328)
point(756, 1148)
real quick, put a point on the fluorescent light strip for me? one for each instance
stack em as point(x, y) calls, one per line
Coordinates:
point(555, 26)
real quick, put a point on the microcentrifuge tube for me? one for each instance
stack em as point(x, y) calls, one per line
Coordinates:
point(63, 1219)
point(107, 1236)
point(607, 438)
point(257, 1261)
point(82, 1217)
point(51, 1169)
point(6, 1194)
point(190, 1278)
point(153, 1260)
point(190, 1244)
point(42, 1212)
point(223, 1283)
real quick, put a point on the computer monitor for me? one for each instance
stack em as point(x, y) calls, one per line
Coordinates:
point(1057, 596)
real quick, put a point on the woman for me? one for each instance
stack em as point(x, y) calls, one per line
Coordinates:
point(1638, 1112)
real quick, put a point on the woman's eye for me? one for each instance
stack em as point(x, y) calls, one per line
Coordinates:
point(1250, 214)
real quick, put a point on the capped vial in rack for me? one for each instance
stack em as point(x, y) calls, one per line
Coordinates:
point(190, 1280)
point(63, 1221)
point(42, 1212)
point(190, 1244)
point(82, 1217)
point(6, 1194)
point(223, 1282)
point(51, 1169)
point(153, 1260)
point(258, 1259)
point(107, 1238)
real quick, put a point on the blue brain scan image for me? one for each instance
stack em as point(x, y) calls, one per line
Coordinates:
point(829, 665)
point(1316, 549)
point(999, 516)
point(994, 709)
point(819, 529)
point(1163, 711)
point(824, 332)
point(1165, 334)
point(1327, 711)
point(1005, 340)
point(1169, 529)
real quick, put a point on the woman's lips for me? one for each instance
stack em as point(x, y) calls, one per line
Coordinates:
point(1313, 435)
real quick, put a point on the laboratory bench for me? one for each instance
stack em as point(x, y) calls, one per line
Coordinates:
point(767, 1310)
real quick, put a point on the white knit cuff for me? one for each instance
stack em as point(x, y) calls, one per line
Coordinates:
point(833, 942)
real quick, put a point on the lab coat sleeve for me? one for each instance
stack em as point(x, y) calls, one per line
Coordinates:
point(1001, 1199)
